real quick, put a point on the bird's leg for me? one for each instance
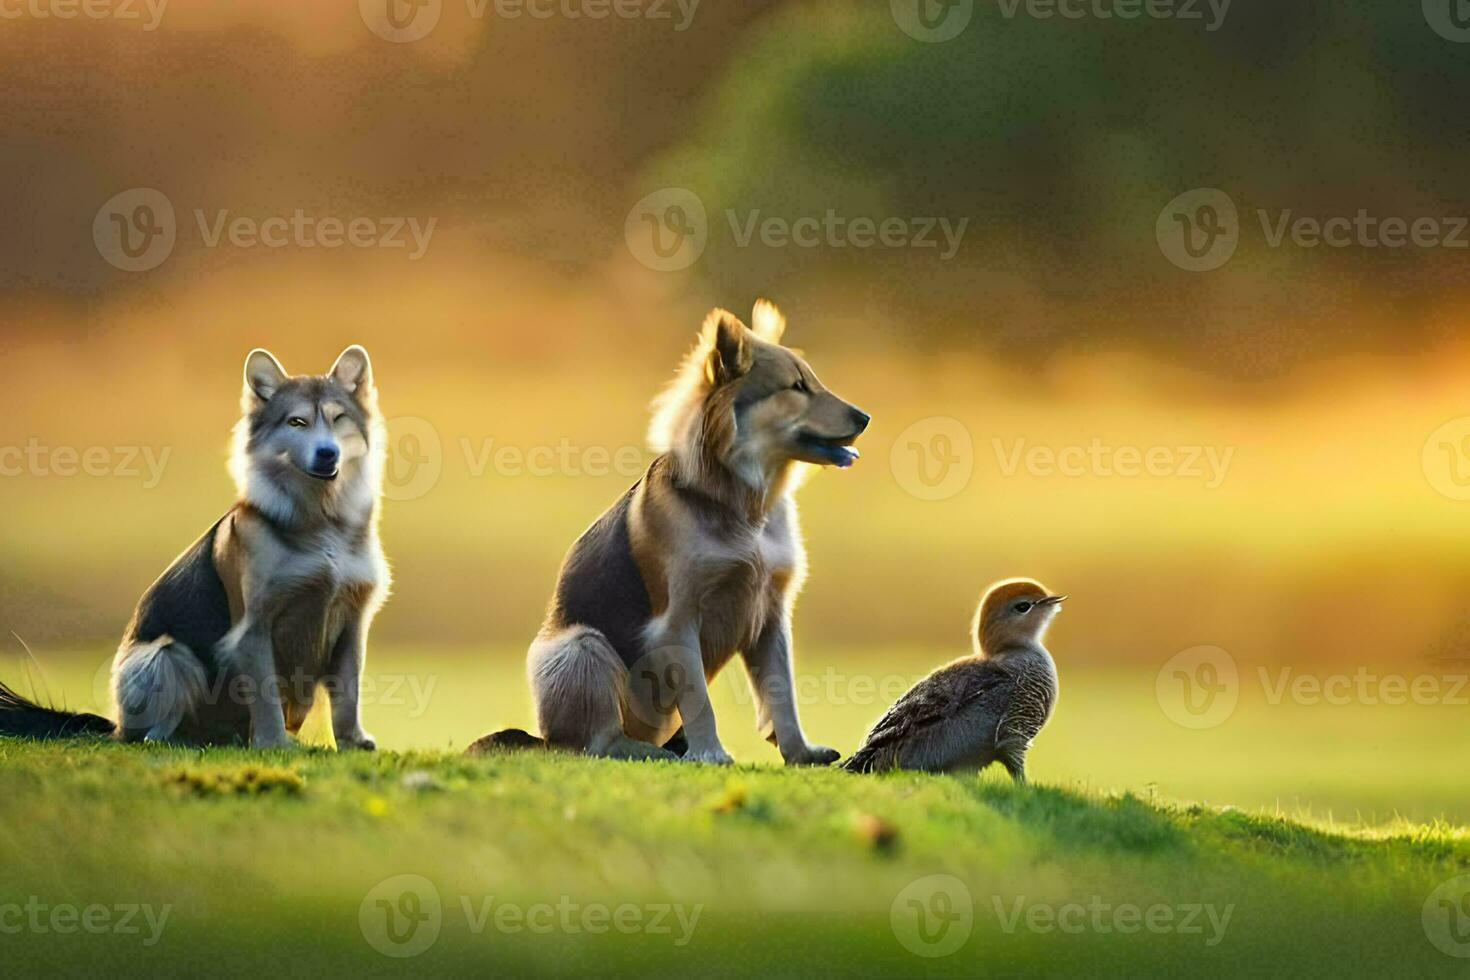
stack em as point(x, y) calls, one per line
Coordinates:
point(769, 664)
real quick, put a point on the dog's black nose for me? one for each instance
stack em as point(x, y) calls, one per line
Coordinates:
point(326, 456)
point(860, 418)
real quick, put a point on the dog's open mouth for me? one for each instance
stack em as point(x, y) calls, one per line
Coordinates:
point(324, 476)
point(836, 452)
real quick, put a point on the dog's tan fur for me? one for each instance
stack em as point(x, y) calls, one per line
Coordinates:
point(700, 560)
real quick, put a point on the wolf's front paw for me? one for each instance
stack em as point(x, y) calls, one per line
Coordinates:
point(283, 742)
point(714, 757)
point(359, 740)
point(812, 755)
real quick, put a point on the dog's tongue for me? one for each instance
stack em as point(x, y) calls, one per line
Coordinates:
point(845, 456)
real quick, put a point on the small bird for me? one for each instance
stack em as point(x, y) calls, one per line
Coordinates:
point(979, 709)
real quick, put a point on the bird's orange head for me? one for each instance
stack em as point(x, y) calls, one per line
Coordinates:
point(1014, 613)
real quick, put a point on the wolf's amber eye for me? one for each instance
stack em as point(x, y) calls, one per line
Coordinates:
point(296, 422)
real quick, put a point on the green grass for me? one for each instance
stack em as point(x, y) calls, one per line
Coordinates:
point(1354, 764)
point(269, 863)
point(1322, 829)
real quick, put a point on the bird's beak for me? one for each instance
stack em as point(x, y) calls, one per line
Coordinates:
point(1052, 600)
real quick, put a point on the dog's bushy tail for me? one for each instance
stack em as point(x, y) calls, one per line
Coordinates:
point(510, 740)
point(24, 718)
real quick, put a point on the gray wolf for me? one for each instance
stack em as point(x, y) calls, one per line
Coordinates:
point(700, 560)
point(979, 709)
point(273, 603)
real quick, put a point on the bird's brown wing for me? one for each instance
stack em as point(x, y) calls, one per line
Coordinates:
point(937, 697)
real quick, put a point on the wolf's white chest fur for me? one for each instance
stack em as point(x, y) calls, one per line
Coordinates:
point(332, 560)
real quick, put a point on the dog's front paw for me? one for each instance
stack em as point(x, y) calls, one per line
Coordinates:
point(713, 757)
point(812, 755)
point(360, 740)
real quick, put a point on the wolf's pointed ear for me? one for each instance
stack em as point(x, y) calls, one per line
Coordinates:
point(767, 322)
point(353, 370)
point(730, 353)
point(263, 375)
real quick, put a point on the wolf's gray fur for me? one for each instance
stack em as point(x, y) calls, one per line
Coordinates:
point(274, 602)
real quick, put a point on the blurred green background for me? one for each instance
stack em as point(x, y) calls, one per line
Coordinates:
point(1333, 379)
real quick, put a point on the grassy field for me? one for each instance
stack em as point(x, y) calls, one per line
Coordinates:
point(541, 865)
point(1354, 763)
point(1290, 838)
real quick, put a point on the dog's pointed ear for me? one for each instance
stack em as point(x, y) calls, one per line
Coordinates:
point(767, 322)
point(729, 341)
point(263, 375)
point(353, 369)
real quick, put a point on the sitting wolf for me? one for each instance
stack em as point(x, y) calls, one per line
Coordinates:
point(232, 642)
